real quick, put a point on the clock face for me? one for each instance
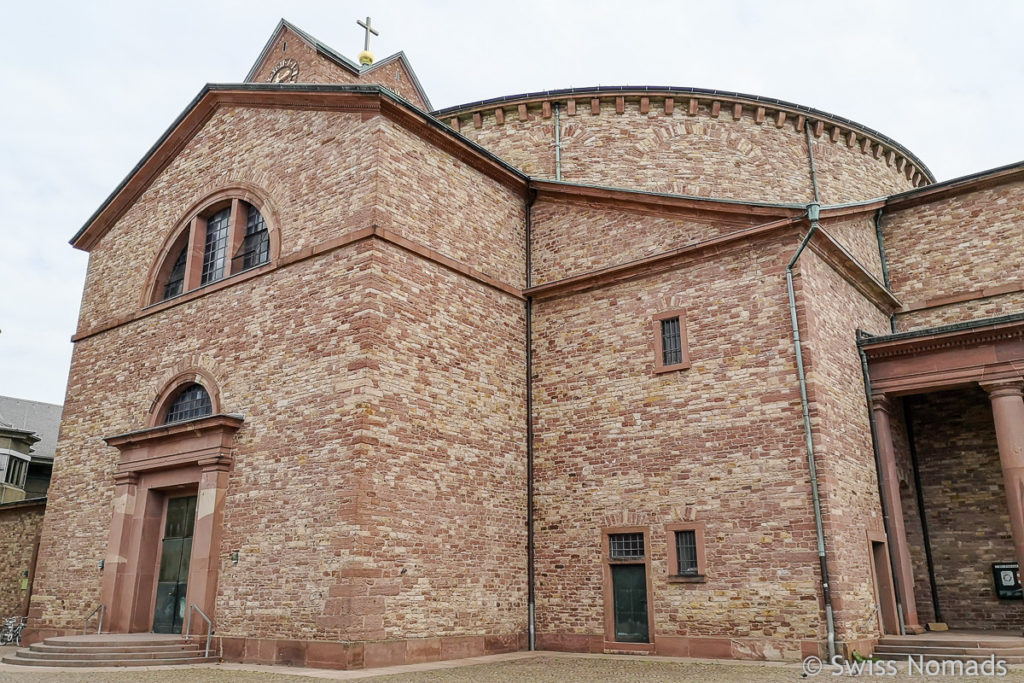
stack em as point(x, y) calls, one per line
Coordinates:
point(285, 72)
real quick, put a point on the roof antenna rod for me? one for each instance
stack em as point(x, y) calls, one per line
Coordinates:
point(366, 57)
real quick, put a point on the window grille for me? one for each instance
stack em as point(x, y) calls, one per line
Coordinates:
point(176, 280)
point(216, 246)
point(191, 403)
point(626, 546)
point(671, 343)
point(686, 552)
point(256, 245)
point(16, 471)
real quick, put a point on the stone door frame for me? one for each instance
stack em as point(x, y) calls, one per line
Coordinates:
point(157, 463)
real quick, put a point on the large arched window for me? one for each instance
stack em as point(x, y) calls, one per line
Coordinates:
point(192, 401)
point(226, 237)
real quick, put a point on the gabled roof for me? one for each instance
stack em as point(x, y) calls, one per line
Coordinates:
point(42, 419)
point(338, 58)
point(285, 95)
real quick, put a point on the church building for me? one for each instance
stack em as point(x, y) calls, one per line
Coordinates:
point(653, 370)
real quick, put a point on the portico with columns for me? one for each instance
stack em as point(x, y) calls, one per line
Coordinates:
point(948, 419)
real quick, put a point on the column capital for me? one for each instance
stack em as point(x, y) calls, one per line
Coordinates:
point(216, 463)
point(881, 402)
point(126, 478)
point(1003, 388)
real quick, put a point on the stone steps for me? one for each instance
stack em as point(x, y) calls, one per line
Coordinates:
point(950, 651)
point(960, 648)
point(112, 650)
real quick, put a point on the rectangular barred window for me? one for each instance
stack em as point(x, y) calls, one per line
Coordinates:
point(216, 246)
point(686, 552)
point(176, 280)
point(626, 546)
point(671, 342)
point(256, 245)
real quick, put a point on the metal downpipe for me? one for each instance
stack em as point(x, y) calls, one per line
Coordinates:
point(812, 213)
point(530, 556)
point(558, 146)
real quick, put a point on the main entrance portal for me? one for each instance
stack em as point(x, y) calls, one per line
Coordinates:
point(176, 551)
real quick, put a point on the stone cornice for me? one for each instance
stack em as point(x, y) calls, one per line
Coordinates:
point(718, 104)
point(956, 186)
point(223, 422)
point(942, 338)
point(720, 210)
point(949, 357)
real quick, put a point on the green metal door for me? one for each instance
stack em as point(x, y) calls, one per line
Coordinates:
point(172, 583)
point(629, 590)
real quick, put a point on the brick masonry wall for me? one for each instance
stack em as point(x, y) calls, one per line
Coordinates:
point(19, 532)
point(911, 514)
point(449, 486)
point(277, 150)
point(833, 310)
point(298, 351)
point(857, 235)
point(965, 506)
point(283, 349)
point(441, 203)
point(703, 154)
point(572, 238)
point(957, 248)
point(720, 443)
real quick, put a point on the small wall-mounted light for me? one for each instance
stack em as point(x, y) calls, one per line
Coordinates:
point(102, 563)
point(234, 557)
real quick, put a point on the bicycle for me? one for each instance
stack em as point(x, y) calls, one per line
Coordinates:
point(10, 630)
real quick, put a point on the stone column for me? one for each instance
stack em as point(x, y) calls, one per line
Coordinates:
point(118, 572)
point(204, 567)
point(1008, 413)
point(898, 546)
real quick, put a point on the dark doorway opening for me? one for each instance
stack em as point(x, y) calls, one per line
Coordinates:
point(176, 550)
point(885, 596)
point(629, 591)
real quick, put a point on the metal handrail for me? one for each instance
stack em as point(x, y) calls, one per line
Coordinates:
point(99, 628)
point(209, 626)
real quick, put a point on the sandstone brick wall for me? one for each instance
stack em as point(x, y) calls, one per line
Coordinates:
point(284, 153)
point(965, 506)
point(911, 513)
point(20, 526)
point(427, 196)
point(833, 310)
point(449, 485)
point(708, 153)
point(953, 260)
point(327, 502)
point(857, 235)
point(849, 171)
point(301, 406)
point(720, 443)
point(572, 238)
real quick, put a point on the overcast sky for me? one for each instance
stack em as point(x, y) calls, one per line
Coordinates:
point(92, 85)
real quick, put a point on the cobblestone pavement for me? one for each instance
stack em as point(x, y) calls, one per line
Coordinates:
point(542, 668)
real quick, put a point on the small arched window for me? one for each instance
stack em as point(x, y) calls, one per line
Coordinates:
point(191, 402)
point(234, 237)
